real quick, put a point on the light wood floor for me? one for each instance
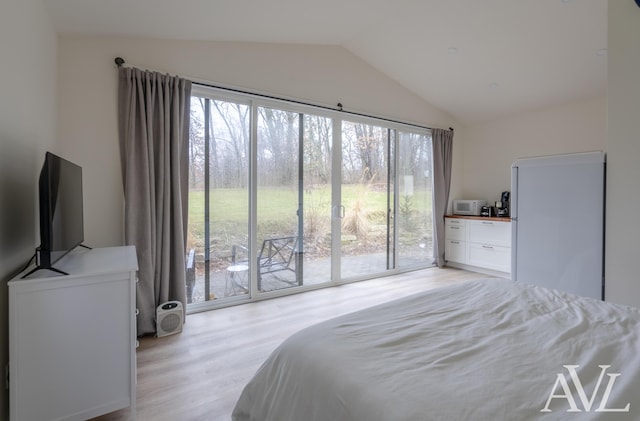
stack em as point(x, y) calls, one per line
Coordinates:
point(199, 373)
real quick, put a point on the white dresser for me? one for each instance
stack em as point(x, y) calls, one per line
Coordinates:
point(479, 243)
point(72, 338)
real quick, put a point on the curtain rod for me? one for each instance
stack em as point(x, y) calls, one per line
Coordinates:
point(338, 107)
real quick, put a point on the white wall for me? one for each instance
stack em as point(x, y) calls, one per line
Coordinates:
point(623, 153)
point(28, 46)
point(88, 89)
point(611, 124)
point(491, 148)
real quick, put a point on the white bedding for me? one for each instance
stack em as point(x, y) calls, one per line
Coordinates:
point(482, 350)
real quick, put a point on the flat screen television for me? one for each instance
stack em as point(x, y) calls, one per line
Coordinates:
point(61, 210)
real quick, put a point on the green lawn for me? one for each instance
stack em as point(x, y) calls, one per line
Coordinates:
point(231, 204)
point(277, 210)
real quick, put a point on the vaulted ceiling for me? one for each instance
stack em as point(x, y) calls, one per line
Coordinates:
point(479, 60)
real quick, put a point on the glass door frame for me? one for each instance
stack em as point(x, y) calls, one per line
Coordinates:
point(393, 196)
point(214, 94)
point(301, 111)
point(338, 276)
point(337, 210)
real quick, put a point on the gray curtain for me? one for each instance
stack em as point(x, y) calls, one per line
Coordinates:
point(442, 158)
point(153, 120)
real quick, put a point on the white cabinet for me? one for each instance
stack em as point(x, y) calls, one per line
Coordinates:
point(489, 232)
point(456, 229)
point(489, 256)
point(456, 251)
point(72, 338)
point(481, 243)
point(456, 240)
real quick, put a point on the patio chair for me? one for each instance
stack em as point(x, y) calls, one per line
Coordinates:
point(276, 254)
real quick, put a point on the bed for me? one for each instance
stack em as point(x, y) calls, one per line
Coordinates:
point(488, 349)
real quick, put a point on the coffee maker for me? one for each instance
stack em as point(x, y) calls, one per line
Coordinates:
point(502, 206)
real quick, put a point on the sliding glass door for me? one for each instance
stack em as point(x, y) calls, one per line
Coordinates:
point(284, 197)
point(316, 193)
point(385, 204)
point(366, 194)
point(278, 200)
point(218, 198)
point(293, 199)
point(414, 212)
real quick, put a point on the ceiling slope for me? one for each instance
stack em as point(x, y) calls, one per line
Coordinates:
point(477, 60)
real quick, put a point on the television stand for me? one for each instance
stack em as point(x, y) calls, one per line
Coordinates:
point(51, 268)
point(72, 339)
point(37, 268)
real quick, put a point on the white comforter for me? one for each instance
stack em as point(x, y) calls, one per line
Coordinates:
point(482, 350)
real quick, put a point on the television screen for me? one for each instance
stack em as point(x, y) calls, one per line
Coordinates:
point(61, 215)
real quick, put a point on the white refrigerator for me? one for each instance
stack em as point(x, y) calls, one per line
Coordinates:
point(557, 208)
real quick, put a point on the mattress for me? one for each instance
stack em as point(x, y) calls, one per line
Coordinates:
point(489, 349)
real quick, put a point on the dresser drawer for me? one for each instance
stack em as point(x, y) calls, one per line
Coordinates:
point(489, 256)
point(489, 232)
point(455, 229)
point(455, 251)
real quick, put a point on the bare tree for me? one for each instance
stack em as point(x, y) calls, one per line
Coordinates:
point(317, 149)
point(277, 146)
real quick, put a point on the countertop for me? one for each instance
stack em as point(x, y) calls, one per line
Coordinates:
point(482, 218)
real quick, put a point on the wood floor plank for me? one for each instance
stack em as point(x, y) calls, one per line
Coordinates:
point(199, 373)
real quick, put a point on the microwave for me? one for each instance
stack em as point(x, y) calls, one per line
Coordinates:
point(468, 207)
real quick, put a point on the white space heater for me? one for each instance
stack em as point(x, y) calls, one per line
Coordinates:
point(169, 318)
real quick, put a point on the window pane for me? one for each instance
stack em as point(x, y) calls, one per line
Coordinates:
point(317, 199)
point(365, 199)
point(218, 210)
point(414, 213)
point(277, 199)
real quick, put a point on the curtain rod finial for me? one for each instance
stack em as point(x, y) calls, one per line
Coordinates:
point(339, 105)
point(119, 61)
point(451, 128)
